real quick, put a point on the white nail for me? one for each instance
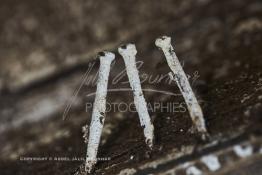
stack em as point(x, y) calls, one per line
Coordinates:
point(181, 79)
point(128, 53)
point(99, 109)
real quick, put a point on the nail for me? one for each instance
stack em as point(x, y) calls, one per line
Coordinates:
point(196, 114)
point(128, 52)
point(99, 109)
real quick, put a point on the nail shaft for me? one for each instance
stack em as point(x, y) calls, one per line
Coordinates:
point(98, 114)
point(128, 53)
point(164, 43)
